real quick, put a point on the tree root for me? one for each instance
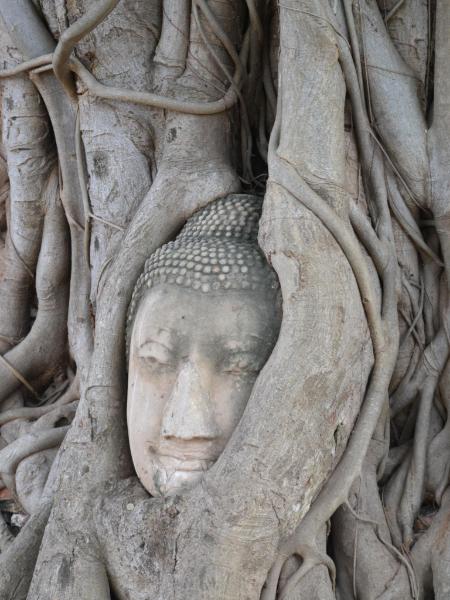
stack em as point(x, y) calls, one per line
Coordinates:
point(407, 391)
point(337, 487)
point(101, 405)
point(20, 378)
point(44, 346)
point(18, 560)
point(369, 238)
point(27, 413)
point(14, 453)
point(123, 95)
point(6, 537)
point(390, 547)
point(30, 165)
point(73, 34)
point(401, 125)
point(34, 40)
point(28, 65)
point(291, 181)
point(414, 486)
point(382, 327)
point(311, 557)
point(148, 99)
point(62, 117)
point(172, 48)
point(81, 168)
point(239, 61)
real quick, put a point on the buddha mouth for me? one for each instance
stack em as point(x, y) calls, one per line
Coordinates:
point(176, 463)
point(174, 470)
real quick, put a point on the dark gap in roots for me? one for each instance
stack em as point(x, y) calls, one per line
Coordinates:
point(49, 388)
point(427, 512)
point(10, 510)
point(112, 594)
point(330, 545)
point(429, 77)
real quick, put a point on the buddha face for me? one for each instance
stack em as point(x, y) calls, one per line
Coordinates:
point(194, 358)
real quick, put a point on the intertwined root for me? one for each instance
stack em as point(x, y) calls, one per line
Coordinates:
point(394, 144)
point(310, 557)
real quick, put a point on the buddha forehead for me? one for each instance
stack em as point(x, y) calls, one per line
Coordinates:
point(169, 314)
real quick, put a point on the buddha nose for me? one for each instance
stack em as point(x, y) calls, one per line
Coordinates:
point(188, 414)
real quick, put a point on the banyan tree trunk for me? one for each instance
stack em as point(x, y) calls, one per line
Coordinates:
point(120, 119)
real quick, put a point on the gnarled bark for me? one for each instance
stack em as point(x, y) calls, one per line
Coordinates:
point(335, 482)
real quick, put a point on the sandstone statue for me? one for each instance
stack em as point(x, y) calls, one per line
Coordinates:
point(204, 315)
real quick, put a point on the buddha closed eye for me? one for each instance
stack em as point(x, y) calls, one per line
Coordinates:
point(194, 354)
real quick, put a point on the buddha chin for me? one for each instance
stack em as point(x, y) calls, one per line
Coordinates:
point(174, 475)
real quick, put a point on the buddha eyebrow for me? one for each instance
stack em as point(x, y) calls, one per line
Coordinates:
point(254, 339)
point(165, 330)
point(153, 341)
point(237, 347)
point(257, 337)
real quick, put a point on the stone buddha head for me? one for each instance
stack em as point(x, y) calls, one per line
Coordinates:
point(203, 320)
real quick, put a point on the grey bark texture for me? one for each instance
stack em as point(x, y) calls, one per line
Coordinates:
point(120, 119)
